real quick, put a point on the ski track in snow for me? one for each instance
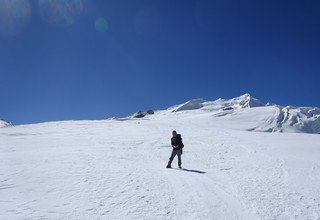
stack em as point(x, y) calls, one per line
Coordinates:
point(116, 170)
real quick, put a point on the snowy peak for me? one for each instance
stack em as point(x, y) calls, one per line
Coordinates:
point(4, 123)
point(243, 101)
point(248, 101)
point(244, 113)
point(249, 113)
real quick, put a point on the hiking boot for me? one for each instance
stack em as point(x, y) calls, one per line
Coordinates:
point(179, 165)
point(168, 166)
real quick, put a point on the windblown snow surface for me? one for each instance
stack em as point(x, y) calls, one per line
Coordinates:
point(115, 169)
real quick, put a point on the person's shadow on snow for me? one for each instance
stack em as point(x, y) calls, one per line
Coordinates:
point(192, 171)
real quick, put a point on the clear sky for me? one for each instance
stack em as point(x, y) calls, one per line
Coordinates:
point(93, 59)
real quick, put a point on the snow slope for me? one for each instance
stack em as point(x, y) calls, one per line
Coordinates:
point(115, 169)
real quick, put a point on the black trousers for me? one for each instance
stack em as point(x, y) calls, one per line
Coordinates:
point(174, 153)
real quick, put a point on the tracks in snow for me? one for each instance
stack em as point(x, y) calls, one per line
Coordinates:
point(197, 195)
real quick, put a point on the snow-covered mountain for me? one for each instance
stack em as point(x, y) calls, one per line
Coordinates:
point(115, 169)
point(244, 101)
point(4, 123)
point(248, 113)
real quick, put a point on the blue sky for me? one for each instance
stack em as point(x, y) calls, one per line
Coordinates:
point(93, 59)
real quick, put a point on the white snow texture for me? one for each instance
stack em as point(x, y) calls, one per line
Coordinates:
point(115, 168)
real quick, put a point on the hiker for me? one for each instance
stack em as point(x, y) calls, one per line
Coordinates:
point(177, 145)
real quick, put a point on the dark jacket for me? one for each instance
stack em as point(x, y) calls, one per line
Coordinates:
point(177, 141)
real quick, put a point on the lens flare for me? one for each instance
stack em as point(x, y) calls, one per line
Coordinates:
point(14, 15)
point(60, 12)
point(101, 25)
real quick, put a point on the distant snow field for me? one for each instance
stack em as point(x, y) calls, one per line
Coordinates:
point(115, 168)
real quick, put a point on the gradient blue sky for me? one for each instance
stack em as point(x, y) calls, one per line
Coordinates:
point(66, 60)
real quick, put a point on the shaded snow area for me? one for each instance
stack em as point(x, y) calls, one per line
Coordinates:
point(4, 123)
point(115, 169)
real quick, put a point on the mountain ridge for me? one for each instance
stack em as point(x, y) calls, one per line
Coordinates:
point(271, 118)
point(242, 113)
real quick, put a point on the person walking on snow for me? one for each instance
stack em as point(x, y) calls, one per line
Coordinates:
point(177, 145)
